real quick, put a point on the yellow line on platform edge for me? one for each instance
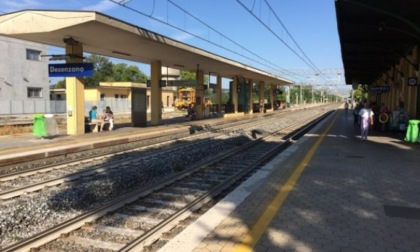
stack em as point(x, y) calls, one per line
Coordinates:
point(251, 238)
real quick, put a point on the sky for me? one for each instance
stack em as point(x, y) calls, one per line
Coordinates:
point(295, 39)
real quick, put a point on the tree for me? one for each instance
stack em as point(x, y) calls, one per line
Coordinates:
point(60, 84)
point(103, 70)
point(187, 75)
point(360, 94)
point(124, 73)
point(118, 71)
point(282, 94)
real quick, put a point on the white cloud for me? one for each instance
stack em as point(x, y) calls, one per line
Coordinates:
point(95, 5)
point(102, 6)
point(12, 5)
point(182, 36)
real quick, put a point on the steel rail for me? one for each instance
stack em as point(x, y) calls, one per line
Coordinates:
point(77, 222)
point(69, 178)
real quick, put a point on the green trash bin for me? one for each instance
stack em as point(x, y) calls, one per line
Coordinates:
point(412, 134)
point(39, 126)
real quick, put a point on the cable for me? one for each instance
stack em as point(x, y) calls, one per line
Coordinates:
point(277, 36)
point(275, 68)
point(290, 35)
point(224, 36)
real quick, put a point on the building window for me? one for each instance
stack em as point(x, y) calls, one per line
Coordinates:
point(117, 96)
point(123, 96)
point(33, 55)
point(59, 97)
point(102, 97)
point(148, 101)
point(34, 92)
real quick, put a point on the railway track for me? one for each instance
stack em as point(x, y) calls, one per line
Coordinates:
point(149, 212)
point(18, 167)
point(27, 181)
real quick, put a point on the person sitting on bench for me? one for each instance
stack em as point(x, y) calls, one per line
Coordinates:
point(93, 114)
point(191, 112)
point(108, 118)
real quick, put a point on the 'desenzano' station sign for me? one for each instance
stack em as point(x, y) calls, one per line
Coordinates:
point(70, 70)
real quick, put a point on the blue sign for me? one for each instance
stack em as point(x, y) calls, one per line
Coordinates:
point(379, 89)
point(70, 70)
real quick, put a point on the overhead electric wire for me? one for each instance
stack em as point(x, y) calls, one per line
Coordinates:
point(272, 67)
point(281, 71)
point(224, 36)
point(290, 35)
point(278, 37)
point(275, 68)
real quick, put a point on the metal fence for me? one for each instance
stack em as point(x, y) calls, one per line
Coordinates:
point(19, 107)
point(16, 107)
point(29, 107)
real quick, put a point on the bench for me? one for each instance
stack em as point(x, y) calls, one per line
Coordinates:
point(191, 117)
point(94, 127)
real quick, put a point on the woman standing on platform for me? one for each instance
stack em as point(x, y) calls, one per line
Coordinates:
point(365, 120)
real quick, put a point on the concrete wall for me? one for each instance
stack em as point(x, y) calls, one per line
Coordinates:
point(17, 74)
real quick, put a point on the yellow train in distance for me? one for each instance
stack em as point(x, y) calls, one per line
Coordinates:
point(186, 97)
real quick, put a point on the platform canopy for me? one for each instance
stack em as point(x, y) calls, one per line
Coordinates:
point(104, 35)
point(375, 34)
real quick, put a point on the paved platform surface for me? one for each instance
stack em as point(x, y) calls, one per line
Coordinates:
point(330, 192)
point(21, 145)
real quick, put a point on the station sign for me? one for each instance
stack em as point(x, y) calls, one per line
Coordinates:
point(173, 83)
point(70, 70)
point(379, 89)
point(213, 85)
point(186, 83)
point(162, 83)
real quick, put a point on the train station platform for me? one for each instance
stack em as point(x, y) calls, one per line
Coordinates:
point(330, 191)
point(28, 147)
point(23, 144)
point(8, 142)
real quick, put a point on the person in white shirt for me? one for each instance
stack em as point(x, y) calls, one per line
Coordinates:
point(365, 120)
point(108, 118)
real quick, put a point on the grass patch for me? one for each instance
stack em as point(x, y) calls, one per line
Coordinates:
point(14, 130)
point(6, 130)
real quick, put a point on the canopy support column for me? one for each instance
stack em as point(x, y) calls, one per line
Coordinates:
point(262, 96)
point(219, 93)
point(251, 98)
point(75, 97)
point(156, 93)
